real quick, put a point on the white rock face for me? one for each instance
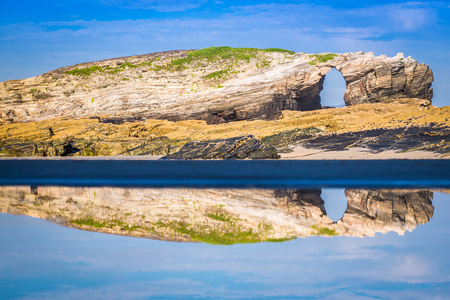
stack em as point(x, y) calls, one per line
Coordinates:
point(141, 87)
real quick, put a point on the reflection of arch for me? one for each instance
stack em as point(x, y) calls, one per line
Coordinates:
point(335, 203)
point(367, 211)
point(383, 210)
point(333, 89)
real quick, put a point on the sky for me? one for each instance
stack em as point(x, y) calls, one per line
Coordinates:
point(39, 36)
point(40, 260)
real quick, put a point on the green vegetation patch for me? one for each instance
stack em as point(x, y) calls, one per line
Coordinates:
point(215, 54)
point(321, 58)
point(86, 72)
point(217, 75)
point(210, 55)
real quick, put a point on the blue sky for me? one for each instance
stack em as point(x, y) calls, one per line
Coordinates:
point(38, 36)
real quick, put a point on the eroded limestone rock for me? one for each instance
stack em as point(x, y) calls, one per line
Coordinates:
point(152, 87)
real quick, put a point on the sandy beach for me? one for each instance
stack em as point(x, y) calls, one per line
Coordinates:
point(300, 152)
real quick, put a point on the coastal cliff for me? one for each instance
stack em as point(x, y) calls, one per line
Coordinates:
point(155, 104)
point(218, 84)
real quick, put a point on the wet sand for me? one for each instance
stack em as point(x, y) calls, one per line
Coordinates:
point(300, 152)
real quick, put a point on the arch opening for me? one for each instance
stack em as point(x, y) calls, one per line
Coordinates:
point(334, 87)
point(335, 203)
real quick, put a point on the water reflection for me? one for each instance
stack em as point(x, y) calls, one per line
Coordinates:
point(220, 216)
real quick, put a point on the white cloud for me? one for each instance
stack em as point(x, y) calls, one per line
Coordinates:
point(407, 16)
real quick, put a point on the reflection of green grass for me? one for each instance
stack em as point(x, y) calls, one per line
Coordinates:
point(106, 223)
point(89, 222)
point(280, 240)
point(324, 230)
point(220, 217)
point(227, 234)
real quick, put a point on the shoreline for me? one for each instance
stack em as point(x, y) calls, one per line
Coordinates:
point(358, 153)
point(298, 153)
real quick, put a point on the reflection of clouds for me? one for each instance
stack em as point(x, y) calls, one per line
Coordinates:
point(136, 290)
point(120, 267)
point(409, 267)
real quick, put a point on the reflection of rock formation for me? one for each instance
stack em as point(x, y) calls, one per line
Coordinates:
point(219, 216)
point(371, 211)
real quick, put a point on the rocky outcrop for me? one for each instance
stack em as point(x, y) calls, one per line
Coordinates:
point(373, 79)
point(221, 216)
point(404, 125)
point(435, 139)
point(187, 85)
point(232, 148)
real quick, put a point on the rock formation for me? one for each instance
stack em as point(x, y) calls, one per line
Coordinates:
point(399, 125)
point(213, 84)
point(224, 216)
point(232, 148)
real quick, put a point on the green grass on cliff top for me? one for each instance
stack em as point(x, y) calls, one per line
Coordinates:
point(210, 55)
point(213, 54)
point(320, 58)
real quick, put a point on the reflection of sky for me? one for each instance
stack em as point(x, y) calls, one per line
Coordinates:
point(40, 260)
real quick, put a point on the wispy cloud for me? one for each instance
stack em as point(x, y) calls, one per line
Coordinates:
point(158, 5)
point(384, 29)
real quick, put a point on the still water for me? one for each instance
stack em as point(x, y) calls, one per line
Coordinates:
point(141, 243)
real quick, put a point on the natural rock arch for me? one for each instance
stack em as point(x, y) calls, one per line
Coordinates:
point(289, 83)
point(368, 79)
point(334, 88)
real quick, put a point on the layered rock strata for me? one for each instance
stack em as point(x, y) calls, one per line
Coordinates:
point(399, 125)
point(183, 85)
point(223, 216)
point(232, 148)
